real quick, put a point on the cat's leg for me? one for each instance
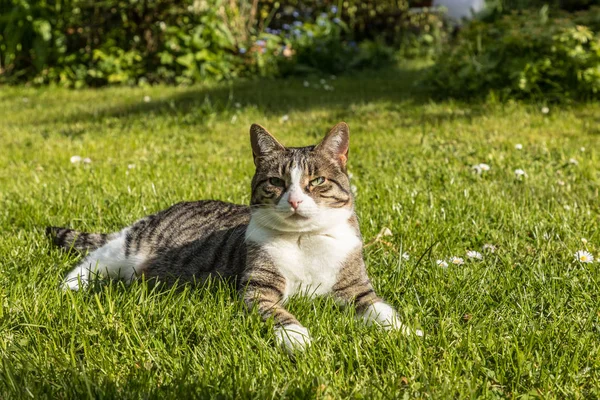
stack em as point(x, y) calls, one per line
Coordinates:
point(354, 288)
point(110, 260)
point(263, 287)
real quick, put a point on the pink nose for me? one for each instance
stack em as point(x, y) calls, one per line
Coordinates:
point(295, 204)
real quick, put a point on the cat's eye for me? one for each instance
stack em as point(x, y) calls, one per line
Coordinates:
point(317, 181)
point(277, 182)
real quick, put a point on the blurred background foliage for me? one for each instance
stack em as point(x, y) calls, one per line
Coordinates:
point(90, 43)
point(514, 48)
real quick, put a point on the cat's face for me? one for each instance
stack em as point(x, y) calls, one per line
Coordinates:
point(302, 189)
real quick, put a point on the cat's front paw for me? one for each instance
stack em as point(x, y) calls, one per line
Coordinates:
point(292, 337)
point(385, 316)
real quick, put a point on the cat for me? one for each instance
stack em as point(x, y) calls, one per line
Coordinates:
point(300, 235)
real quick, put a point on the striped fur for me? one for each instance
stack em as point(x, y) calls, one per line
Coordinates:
point(298, 236)
point(70, 239)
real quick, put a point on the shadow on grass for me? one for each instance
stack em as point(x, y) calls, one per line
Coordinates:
point(393, 89)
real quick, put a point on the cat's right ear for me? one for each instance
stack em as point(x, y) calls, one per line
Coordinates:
point(263, 142)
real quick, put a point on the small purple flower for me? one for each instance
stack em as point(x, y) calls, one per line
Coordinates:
point(261, 43)
point(323, 15)
point(242, 50)
point(295, 14)
point(297, 23)
point(268, 30)
point(337, 20)
point(321, 22)
point(286, 27)
point(334, 9)
point(309, 33)
point(297, 32)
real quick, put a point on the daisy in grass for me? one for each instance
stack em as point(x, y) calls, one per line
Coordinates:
point(489, 248)
point(519, 146)
point(442, 263)
point(474, 255)
point(584, 256)
point(405, 256)
point(457, 260)
point(479, 168)
point(519, 173)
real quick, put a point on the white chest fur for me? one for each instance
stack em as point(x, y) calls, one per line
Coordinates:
point(309, 262)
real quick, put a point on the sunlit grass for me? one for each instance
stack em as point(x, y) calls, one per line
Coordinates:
point(523, 320)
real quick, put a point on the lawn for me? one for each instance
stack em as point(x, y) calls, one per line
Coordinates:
point(523, 321)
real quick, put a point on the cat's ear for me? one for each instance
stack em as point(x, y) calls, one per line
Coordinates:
point(336, 143)
point(263, 142)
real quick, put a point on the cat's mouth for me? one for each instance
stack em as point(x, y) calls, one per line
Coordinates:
point(296, 217)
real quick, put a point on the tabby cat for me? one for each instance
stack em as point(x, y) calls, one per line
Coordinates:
point(299, 235)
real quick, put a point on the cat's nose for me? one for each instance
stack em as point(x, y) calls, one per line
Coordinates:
point(295, 204)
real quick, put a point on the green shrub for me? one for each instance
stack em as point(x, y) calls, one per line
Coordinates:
point(79, 43)
point(525, 54)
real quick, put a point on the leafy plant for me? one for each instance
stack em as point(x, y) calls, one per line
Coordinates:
point(525, 54)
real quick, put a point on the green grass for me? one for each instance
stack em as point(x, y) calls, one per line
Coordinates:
point(522, 322)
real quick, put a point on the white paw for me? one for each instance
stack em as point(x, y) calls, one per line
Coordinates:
point(385, 316)
point(292, 337)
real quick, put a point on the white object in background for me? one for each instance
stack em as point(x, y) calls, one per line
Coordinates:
point(458, 9)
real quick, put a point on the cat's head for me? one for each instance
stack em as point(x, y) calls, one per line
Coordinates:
point(301, 189)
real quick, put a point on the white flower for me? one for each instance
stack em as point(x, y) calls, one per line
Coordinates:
point(332, 77)
point(234, 119)
point(573, 161)
point(131, 166)
point(480, 168)
point(323, 81)
point(519, 146)
point(489, 247)
point(306, 84)
point(147, 99)
point(545, 110)
point(87, 160)
point(237, 105)
point(25, 100)
point(582, 149)
point(442, 263)
point(405, 256)
point(75, 159)
point(285, 118)
point(350, 175)
point(457, 260)
point(519, 173)
point(567, 207)
point(474, 254)
point(354, 189)
point(584, 256)
point(584, 240)
point(560, 182)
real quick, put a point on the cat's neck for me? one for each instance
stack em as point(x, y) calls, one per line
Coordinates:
point(342, 229)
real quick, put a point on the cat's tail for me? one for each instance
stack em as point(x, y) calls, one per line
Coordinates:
point(81, 241)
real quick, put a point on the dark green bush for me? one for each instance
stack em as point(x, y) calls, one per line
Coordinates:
point(523, 55)
point(91, 43)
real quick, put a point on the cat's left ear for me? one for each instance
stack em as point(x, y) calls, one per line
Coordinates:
point(336, 143)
